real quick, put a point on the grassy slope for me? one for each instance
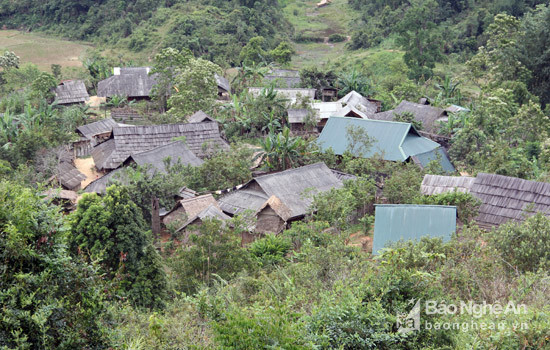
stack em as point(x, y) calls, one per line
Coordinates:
point(42, 50)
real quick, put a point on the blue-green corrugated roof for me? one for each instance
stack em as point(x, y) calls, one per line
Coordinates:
point(394, 140)
point(395, 222)
point(425, 158)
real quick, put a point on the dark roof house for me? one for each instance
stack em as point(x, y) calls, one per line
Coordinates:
point(130, 82)
point(71, 92)
point(403, 222)
point(293, 187)
point(393, 141)
point(429, 116)
point(272, 216)
point(176, 151)
point(201, 138)
point(189, 208)
point(223, 84)
point(211, 212)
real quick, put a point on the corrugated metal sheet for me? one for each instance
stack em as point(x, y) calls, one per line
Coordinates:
point(423, 159)
point(388, 136)
point(395, 222)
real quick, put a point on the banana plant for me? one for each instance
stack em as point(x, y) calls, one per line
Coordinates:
point(281, 151)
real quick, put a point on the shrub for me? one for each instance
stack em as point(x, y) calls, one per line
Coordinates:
point(337, 38)
point(270, 250)
point(467, 206)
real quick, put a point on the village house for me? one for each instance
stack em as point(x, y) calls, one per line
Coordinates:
point(200, 117)
point(428, 116)
point(155, 159)
point(293, 190)
point(224, 88)
point(503, 198)
point(293, 95)
point(188, 209)
point(284, 78)
point(91, 135)
point(71, 92)
point(404, 222)
point(392, 141)
point(134, 83)
point(201, 138)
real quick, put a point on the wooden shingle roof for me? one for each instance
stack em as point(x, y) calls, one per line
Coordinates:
point(97, 128)
point(128, 82)
point(71, 91)
point(429, 116)
point(436, 184)
point(201, 138)
point(294, 188)
point(176, 151)
point(506, 198)
point(69, 176)
point(200, 117)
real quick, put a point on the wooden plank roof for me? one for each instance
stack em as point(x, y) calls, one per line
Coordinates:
point(201, 138)
point(129, 82)
point(71, 91)
point(428, 115)
point(294, 187)
point(436, 184)
point(506, 198)
point(97, 128)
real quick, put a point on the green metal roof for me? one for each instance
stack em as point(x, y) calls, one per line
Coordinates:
point(395, 222)
point(437, 154)
point(395, 141)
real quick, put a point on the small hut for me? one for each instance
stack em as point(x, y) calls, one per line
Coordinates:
point(224, 88)
point(210, 212)
point(272, 216)
point(302, 120)
point(134, 83)
point(91, 135)
point(201, 117)
point(63, 198)
point(430, 117)
point(71, 92)
point(187, 209)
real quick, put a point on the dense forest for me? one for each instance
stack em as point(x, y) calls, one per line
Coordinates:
point(84, 268)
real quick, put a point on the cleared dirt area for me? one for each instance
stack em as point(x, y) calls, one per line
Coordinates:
point(42, 50)
point(87, 167)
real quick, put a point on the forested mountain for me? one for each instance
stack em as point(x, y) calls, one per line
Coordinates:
point(214, 29)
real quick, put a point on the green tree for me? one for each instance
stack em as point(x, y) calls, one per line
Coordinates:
point(281, 151)
point(253, 52)
point(49, 300)
point(9, 60)
point(43, 85)
point(354, 81)
point(112, 229)
point(282, 54)
point(215, 252)
point(499, 60)
point(419, 37)
point(166, 64)
point(196, 88)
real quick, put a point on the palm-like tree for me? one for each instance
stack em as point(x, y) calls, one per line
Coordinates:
point(281, 151)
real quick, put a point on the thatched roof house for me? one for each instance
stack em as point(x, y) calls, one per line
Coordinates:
point(403, 222)
point(294, 188)
point(437, 184)
point(223, 85)
point(200, 117)
point(71, 92)
point(187, 209)
point(93, 134)
point(392, 141)
point(298, 118)
point(272, 216)
point(100, 185)
point(201, 138)
point(69, 176)
point(291, 94)
point(130, 82)
point(64, 198)
point(429, 116)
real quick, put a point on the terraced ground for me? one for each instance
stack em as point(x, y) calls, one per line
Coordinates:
point(43, 50)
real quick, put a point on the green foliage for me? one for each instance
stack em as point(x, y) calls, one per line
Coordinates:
point(420, 39)
point(112, 229)
point(196, 88)
point(224, 169)
point(49, 300)
point(56, 71)
point(269, 328)
point(281, 151)
point(524, 245)
point(9, 60)
point(403, 186)
point(343, 207)
point(467, 206)
point(359, 141)
point(337, 38)
point(312, 77)
point(408, 117)
point(354, 81)
point(215, 252)
point(253, 52)
point(270, 250)
point(43, 85)
point(282, 54)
